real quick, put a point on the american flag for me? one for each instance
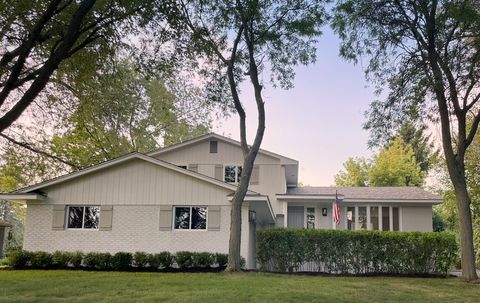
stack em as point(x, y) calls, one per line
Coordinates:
point(336, 210)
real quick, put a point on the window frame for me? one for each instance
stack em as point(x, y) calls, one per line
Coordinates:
point(380, 214)
point(213, 146)
point(67, 219)
point(237, 179)
point(189, 218)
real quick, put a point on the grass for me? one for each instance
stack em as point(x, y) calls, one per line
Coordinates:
point(82, 286)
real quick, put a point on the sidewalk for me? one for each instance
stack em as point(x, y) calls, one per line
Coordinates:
point(458, 272)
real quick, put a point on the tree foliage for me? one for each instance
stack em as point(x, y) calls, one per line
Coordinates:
point(394, 165)
point(427, 53)
point(354, 173)
point(121, 111)
point(59, 38)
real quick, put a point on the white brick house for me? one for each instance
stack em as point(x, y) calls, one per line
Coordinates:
point(178, 198)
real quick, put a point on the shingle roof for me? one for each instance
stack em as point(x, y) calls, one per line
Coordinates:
point(394, 193)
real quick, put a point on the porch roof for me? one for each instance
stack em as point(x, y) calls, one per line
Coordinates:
point(360, 194)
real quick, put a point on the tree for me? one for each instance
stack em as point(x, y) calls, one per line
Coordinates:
point(236, 40)
point(428, 52)
point(394, 165)
point(412, 134)
point(447, 211)
point(121, 111)
point(37, 37)
point(354, 173)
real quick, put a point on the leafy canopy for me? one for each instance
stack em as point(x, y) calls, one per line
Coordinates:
point(394, 165)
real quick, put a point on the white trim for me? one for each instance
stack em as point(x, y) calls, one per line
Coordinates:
point(22, 197)
point(307, 197)
point(386, 200)
point(67, 215)
point(190, 219)
point(236, 172)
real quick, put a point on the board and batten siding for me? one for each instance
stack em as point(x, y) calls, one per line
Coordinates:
point(270, 171)
point(137, 182)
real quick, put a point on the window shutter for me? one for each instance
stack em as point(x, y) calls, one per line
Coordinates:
point(166, 217)
point(193, 167)
point(255, 177)
point(58, 222)
point(214, 213)
point(219, 172)
point(106, 217)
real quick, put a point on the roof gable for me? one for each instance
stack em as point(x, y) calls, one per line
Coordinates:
point(283, 159)
point(124, 159)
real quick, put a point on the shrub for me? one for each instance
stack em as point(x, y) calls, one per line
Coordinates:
point(121, 261)
point(356, 252)
point(184, 259)
point(95, 260)
point(18, 259)
point(202, 259)
point(61, 259)
point(221, 259)
point(163, 260)
point(76, 259)
point(41, 259)
point(141, 259)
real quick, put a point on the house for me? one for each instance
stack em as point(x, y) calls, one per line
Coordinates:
point(178, 198)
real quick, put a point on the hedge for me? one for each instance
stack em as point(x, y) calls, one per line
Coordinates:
point(123, 261)
point(355, 252)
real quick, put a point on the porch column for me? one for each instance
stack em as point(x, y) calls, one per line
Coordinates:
point(334, 226)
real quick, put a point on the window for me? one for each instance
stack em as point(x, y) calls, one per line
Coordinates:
point(213, 147)
point(395, 219)
point(385, 218)
point(310, 217)
point(362, 217)
point(351, 218)
point(374, 217)
point(190, 218)
point(83, 217)
point(232, 173)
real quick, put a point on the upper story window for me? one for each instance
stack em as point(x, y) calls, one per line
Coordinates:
point(233, 173)
point(187, 217)
point(83, 217)
point(213, 147)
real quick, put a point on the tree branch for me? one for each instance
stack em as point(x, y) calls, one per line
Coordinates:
point(29, 147)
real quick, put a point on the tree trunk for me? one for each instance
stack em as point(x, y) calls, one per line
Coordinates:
point(466, 230)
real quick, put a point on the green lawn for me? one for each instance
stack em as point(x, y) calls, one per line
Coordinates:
point(80, 286)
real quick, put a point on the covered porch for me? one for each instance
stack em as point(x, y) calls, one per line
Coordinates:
point(317, 212)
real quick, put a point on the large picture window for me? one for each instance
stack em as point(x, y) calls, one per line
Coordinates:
point(83, 217)
point(187, 217)
point(233, 173)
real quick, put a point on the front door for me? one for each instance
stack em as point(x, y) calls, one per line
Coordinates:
point(296, 216)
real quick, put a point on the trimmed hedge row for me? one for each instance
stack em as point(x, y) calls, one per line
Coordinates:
point(122, 261)
point(355, 252)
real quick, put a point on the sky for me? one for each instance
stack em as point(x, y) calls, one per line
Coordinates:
point(319, 121)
